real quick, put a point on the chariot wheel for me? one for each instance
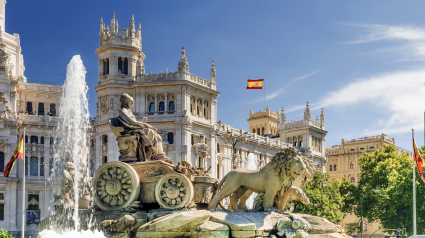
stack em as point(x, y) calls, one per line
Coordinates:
point(174, 191)
point(116, 185)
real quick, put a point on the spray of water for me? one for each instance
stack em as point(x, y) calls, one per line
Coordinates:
point(71, 137)
point(250, 164)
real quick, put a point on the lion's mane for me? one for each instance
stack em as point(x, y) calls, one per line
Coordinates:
point(281, 166)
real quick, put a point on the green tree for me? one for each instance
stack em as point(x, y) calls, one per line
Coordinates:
point(5, 234)
point(326, 199)
point(391, 172)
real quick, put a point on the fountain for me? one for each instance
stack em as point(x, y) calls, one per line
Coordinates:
point(250, 164)
point(71, 139)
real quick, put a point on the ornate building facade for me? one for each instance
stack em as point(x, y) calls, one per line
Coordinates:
point(263, 122)
point(182, 106)
point(344, 163)
point(33, 106)
point(306, 135)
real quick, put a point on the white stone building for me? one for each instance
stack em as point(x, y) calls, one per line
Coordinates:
point(33, 106)
point(306, 135)
point(182, 106)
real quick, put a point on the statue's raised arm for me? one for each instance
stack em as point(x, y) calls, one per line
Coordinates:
point(137, 141)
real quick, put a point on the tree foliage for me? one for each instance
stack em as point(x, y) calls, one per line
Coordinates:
point(390, 172)
point(327, 198)
point(5, 234)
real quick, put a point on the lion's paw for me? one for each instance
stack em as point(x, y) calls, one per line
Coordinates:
point(271, 209)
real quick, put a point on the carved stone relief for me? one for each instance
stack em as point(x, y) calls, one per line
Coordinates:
point(104, 106)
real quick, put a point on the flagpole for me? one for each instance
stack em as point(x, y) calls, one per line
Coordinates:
point(264, 86)
point(414, 188)
point(23, 193)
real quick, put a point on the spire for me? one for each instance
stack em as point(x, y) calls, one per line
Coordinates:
point(317, 118)
point(212, 72)
point(133, 28)
point(322, 118)
point(250, 113)
point(113, 24)
point(102, 27)
point(283, 117)
point(307, 114)
point(139, 32)
point(267, 109)
point(183, 65)
point(117, 29)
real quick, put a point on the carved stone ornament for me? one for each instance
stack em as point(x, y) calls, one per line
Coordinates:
point(171, 97)
point(104, 105)
point(174, 191)
point(4, 59)
point(116, 184)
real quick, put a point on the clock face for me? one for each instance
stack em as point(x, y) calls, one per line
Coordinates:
point(34, 149)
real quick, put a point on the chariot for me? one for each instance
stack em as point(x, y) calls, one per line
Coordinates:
point(117, 184)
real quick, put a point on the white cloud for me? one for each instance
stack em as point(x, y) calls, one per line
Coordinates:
point(376, 32)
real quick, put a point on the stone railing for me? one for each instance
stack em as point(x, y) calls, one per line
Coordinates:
point(8, 37)
point(300, 123)
point(38, 119)
point(175, 76)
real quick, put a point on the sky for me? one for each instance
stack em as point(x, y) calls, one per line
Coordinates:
point(362, 61)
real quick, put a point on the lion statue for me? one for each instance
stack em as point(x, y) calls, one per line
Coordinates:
point(293, 193)
point(276, 178)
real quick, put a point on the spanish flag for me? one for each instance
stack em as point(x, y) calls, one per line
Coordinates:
point(255, 84)
point(418, 159)
point(19, 154)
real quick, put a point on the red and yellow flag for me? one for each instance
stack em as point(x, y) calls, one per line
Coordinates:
point(19, 154)
point(255, 84)
point(418, 159)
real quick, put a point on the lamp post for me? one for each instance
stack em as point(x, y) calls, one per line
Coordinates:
point(233, 140)
point(361, 214)
point(11, 230)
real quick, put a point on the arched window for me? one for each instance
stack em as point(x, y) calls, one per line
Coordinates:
point(29, 108)
point(191, 108)
point(42, 140)
point(262, 131)
point(197, 110)
point(161, 107)
point(171, 106)
point(218, 170)
point(105, 160)
point(151, 107)
point(205, 113)
point(351, 165)
point(258, 131)
point(330, 167)
point(253, 131)
point(122, 66)
point(26, 139)
point(352, 180)
point(105, 139)
point(335, 167)
point(191, 139)
point(52, 109)
point(51, 167)
point(218, 148)
point(41, 166)
point(34, 166)
point(51, 140)
point(34, 139)
point(1, 161)
point(41, 109)
point(171, 138)
point(92, 143)
point(106, 66)
point(199, 162)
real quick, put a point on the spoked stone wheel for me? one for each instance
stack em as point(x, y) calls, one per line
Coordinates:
point(174, 191)
point(116, 185)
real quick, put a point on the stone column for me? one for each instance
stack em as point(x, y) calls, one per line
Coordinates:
point(156, 104)
point(166, 102)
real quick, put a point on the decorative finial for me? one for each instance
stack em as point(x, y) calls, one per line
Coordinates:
point(213, 63)
point(132, 18)
point(167, 70)
point(183, 52)
point(101, 20)
point(113, 15)
point(307, 104)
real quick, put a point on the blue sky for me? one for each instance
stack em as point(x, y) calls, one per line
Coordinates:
point(363, 61)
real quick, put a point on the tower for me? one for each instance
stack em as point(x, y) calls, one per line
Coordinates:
point(3, 15)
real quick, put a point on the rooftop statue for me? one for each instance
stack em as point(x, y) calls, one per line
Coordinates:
point(137, 141)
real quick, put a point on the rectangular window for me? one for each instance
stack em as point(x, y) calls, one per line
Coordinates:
point(51, 166)
point(373, 147)
point(361, 148)
point(1, 161)
point(1, 212)
point(1, 196)
point(26, 166)
point(41, 166)
point(34, 166)
point(352, 149)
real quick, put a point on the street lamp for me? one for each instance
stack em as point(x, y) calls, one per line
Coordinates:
point(233, 140)
point(11, 230)
point(361, 214)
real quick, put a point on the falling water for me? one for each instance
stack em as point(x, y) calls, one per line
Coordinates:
point(250, 164)
point(71, 136)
